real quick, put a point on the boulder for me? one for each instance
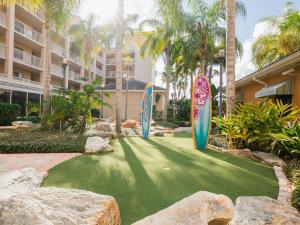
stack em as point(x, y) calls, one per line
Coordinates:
point(263, 211)
point(22, 123)
point(103, 126)
point(97, 144)
point(182, 129)
point(243, 153)
point(129, 132)
point(201, 208)
point(19, 181)
point(130, 124)
point(54, 206)
point(268, 158)
point(159, 133)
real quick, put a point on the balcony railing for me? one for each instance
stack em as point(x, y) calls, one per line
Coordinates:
point(57, 49)
point(99, 72)
point(30, 82)
point(3, 19)
point(2, 51)
point(75, 59)
point(74, 76)
point(28, 31)
point(111, 61)
point(37, 12)
point(110, 74)
point(27, 58)
point(57, 70)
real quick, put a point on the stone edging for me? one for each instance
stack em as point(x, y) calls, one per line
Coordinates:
point(285, 188)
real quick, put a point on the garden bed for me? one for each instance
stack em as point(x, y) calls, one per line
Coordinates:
point(36, 140)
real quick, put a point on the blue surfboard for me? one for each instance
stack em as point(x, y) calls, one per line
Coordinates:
point(146, 110)
point(201, 112)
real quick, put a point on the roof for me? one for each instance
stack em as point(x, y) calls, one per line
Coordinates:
point(133, 85)
point(283, 64)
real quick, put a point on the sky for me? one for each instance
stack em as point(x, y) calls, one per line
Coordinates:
point(247, 29)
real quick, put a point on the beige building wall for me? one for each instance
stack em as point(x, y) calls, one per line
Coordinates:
point(134, 104)
point(248, 91)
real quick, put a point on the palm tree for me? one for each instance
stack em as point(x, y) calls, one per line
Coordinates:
point(230, 56)
point(159, 43)
point(119, 64)
point(86, 39)
point(273, 46)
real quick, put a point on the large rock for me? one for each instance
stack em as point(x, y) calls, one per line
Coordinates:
point(53, 206)
point(22, 123)
point(19, 181)
point(200, 208)
point(159, 133)
point(268, 158)
point(129, 132)
point(263, 211)
point(97, 144)
point(130, 124)
point(243, 153)
point(103, 126)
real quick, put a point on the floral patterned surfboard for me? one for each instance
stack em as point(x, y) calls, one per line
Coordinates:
point(201, 112)
point(146, 110)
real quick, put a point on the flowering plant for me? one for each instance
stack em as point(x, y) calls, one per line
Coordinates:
point(201, 93)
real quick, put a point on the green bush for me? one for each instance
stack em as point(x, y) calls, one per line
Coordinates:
point(95, 113)
point(33, 119)
point(33, 140)
point(260, 126)
point(292, 170)
point(8, 113)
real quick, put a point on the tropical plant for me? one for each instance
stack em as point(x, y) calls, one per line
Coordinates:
point(254, 126)
point(71, 108)
point(283, 41)
point(8, 113)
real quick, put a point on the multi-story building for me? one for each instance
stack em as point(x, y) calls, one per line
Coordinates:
point(23, 59)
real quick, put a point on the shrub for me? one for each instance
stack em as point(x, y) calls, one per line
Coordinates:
point(296, 197)
point(33, 140)
point(8, 113)
point(95, 113)
point(33, 119)
point(254, 126)
point(292, 170)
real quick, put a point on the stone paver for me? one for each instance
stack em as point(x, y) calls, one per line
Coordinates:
point(285, 188)
point(41, 161)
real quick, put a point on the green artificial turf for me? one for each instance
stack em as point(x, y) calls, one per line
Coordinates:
point(146, 176)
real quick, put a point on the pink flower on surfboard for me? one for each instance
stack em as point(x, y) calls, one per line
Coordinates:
point(201, 93)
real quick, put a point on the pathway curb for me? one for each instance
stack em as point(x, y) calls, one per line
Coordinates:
point(285, 188)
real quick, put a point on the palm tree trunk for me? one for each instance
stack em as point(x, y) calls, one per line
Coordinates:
point(210, 73)
point(220, 89)
point(119, 65)
point(168, 71)
point(47, 76)
point(230, 57)
point(192, 83)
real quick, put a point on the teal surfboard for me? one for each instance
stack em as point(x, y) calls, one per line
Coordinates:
point(201, 112)
point(146, 110)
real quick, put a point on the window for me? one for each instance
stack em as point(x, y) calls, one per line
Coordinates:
point(18, 75)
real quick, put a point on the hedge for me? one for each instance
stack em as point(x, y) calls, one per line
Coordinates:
point(34, 140)
point(8, 113)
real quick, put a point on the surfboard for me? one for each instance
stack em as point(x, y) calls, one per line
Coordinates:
point(201, 112)
point(146, 110)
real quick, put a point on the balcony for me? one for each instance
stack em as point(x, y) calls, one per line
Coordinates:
point(3, 22)
point(99, 72)
point(76, 59)
point(27, 58)
point(128, 61)
point(110, 61)
point(57, 49)
point(28, 32)
point(74, 76)
point(26, 81)
point(2, 51)
point(110, 74)
point(57, 70)
point(39, 13)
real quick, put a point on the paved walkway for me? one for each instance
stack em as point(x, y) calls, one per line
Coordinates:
point(41, 161)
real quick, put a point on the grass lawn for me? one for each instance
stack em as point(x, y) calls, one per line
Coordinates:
point(146, 176)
